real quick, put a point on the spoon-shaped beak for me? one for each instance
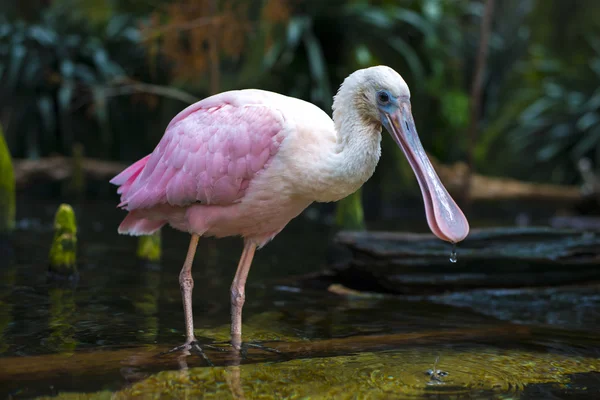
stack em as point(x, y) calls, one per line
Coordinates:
point(445, 218)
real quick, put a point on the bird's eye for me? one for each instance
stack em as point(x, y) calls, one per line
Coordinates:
point(383, 97)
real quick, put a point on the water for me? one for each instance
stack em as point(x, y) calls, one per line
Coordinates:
point(453, 256)
point(101, 336)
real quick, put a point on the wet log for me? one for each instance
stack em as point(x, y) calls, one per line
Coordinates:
point(150, 357)
point(409, 263)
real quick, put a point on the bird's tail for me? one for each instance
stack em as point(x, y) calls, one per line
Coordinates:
point(135, 224)
point(126, 178)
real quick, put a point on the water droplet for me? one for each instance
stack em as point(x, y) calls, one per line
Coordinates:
point(453, 256)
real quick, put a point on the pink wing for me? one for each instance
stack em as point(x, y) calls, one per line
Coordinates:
point(209, 154)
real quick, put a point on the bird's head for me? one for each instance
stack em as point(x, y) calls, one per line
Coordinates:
point(380, 96)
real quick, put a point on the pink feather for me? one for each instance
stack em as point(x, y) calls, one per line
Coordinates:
point(209, 154)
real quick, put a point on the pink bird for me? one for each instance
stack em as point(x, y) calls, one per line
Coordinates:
point(246, 162)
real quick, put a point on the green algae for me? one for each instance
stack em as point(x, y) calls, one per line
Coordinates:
point(63, 253)
point(104, 395)
point(485, 373)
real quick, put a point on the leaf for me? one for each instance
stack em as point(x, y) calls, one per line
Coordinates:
point(318, 69)
point(377, 18)
point(117, 25)
point(84, 73)
point(363, 55)
point(554, 90)
point(588, 142)
point(416, 21)
point(67, 69)
point(536, 109)
point(549, 151)
point(410, 57)
point(132, 34)
point(295, 31)
point(16, 61)
point(588, 120)
point(44, 36)
point(46, 110)
point(574, 101)
point(455, 108)
point(595, 66)
point(432, 10)
point(101, 110)
point(272, 55)
point(593, 102)
point(65, 94)
point(32, 73)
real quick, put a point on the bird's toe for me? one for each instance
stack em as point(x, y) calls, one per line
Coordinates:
point(189, 347)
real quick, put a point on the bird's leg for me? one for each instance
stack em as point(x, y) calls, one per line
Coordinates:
point(186, 282)
point(238, 296)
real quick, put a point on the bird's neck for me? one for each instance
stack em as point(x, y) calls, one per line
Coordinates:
point(355, 156)
point(359, 144)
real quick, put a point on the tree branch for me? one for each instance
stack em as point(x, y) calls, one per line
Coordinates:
point(476, 91)
point(164, 91)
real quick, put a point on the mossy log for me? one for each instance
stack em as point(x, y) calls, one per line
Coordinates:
point(148, 357)
point(408, 263)
point(63, 252)
point(7, 189)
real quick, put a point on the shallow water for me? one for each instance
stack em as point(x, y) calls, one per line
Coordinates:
point(101, 336)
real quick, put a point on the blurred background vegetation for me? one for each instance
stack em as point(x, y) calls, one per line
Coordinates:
point(109, 74)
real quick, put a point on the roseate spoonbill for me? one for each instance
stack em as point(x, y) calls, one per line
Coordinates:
point(246, 162)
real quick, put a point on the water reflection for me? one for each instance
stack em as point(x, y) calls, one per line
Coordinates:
point(60, 319)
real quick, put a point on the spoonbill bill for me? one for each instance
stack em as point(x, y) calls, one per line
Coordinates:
point(246, 162)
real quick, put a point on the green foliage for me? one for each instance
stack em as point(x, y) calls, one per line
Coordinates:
point(559, 123)
point(66, 70)
point(7, 188)
point(58, 79)
point(349, 212)
point(544, 116)
point(63, 252)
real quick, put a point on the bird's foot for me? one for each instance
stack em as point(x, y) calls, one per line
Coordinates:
point(241, 348)
point(189, 347)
